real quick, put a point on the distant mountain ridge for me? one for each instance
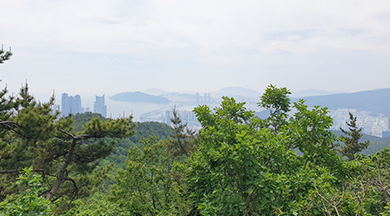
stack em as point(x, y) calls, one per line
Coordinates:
point(375, 101)
point(313, 92)
point(155, 92)
point(139, 97)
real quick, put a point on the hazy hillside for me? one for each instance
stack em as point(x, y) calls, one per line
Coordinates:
point(376, 143)
point(312, 92)
point(139, 97)
point(376, 101)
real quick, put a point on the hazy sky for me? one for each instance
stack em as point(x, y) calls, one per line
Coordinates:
point(94, 47)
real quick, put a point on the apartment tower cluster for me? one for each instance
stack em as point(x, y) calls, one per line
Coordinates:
point(72, 105)
point(203, 100)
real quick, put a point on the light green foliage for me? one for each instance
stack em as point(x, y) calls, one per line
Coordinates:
point(239, 169)
point(149, 186)
point(28, 201)
point(351, 143)
point(309, 131)
point(277, 102)
point(246, 166)
point(95, 205)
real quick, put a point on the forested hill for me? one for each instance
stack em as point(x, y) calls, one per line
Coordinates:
point(139, 97)
point(375, 101)
point(143, 129)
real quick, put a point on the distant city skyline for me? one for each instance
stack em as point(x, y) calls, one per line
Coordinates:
point(70, 104)
point(89, 100)
point(73, 105)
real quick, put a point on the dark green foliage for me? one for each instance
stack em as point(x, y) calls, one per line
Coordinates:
point(146, 129)
point(81, 119)
point(143, 129)
point(33, 135)
point(5, 55)
point(119, 154)
point(351, 140)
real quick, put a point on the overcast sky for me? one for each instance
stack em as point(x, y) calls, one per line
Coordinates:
point(94, 47)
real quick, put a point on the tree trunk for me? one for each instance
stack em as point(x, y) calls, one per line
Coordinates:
point(61, 174)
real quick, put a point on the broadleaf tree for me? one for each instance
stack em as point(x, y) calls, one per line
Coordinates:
point(246, 166)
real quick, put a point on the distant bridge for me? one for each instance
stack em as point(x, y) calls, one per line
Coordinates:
point(147, 116)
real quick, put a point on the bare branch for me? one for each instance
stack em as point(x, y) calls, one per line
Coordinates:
point(73, 181)
point(67, 133)
point(78, 137)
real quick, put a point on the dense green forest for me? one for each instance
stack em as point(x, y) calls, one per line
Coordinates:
point(237, 164)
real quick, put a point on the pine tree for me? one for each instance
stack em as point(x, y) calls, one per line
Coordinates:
point(182, 141)
point(351, 140)
point(5, 55)
point(32, 134)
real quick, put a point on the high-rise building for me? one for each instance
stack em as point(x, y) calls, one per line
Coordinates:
point(64, 105)
point(168, 118)
point(77, 105)
point(208, 98)
point(70, 104)
point(205, 98)
point(197, 99)
point(100, 107)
